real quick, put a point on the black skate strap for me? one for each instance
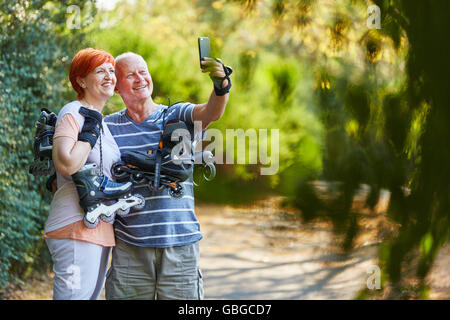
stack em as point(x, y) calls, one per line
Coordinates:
point(140, 159)
point(47, 133)
point(49, 183)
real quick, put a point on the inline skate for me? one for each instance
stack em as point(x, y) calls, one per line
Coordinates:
point(140, 167)
point(168, 165)
point(163, 167)
point(95, 191)
point(42, 146)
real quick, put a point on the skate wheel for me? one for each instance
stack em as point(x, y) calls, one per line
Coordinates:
point(142, 204)
point(107, 219)
point(137, 178)
point(89, 224)
point(122, 212)
point(176, 193)
point(117, 170)
point(211, 172)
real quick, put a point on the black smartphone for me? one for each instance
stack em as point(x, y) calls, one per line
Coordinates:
point(204, 48)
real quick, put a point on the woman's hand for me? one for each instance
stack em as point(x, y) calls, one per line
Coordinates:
point(91, 127)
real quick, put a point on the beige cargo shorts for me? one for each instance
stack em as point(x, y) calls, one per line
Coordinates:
point(154, 273)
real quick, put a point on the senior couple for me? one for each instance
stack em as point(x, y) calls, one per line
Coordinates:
point(155, 251)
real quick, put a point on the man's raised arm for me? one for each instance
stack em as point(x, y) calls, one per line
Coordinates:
point(215, 107)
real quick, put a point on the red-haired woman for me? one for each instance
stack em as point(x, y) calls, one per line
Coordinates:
point(80, 254)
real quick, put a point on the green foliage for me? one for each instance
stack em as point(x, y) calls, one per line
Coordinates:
point(385, 133)
point(283, 82)
point(35, 50)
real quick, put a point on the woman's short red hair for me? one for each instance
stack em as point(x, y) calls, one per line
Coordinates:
point(85, 61)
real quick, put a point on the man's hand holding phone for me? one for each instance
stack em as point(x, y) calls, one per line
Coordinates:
point(218, 72)
point(215, 70)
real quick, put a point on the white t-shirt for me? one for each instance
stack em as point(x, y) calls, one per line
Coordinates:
point(65, 208)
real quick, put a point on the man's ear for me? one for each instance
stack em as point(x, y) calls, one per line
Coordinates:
point(116, 90)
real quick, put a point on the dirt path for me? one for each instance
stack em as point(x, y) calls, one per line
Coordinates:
point(261, 252)
point(254, 253)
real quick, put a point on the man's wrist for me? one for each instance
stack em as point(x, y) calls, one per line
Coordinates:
point(222, 85)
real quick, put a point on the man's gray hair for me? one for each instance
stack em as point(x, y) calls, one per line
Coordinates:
point(128, 55)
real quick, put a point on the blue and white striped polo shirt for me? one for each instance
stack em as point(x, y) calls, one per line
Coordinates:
point(164, 221)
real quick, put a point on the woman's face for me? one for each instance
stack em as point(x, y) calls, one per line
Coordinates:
point(100, 83)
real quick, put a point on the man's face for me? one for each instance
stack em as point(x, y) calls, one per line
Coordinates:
point(134, 83)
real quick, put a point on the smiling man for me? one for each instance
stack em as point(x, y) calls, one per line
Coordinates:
point(157, 251)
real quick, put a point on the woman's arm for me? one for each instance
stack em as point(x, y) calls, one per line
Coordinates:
point(71, 146)
point(69, 155)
